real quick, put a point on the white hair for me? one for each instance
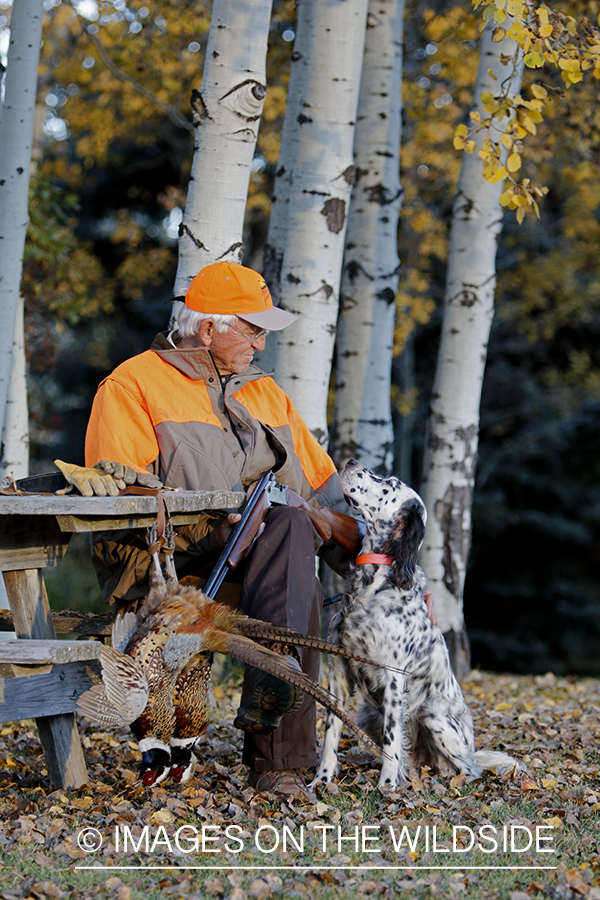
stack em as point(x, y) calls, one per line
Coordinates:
point(188, 322)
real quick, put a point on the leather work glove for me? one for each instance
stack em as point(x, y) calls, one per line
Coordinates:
point(125, 475)
point(100, 482)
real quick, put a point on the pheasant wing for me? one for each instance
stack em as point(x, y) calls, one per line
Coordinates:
point(96, 707)
point(125, 683)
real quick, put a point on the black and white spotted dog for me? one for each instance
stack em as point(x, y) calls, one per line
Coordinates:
point(384, 617)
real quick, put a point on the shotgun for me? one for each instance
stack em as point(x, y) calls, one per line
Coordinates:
point(329, 524)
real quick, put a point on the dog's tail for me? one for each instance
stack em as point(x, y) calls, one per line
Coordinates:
point(499, 763)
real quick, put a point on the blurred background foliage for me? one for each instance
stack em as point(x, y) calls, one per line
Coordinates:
point(113, 148)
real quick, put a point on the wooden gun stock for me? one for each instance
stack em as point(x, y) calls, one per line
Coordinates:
point(346, 531)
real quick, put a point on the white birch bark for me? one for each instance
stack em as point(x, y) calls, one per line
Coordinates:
point(322, 176)
point(453, 430)
point(284, 175)
point(15, 436)
point(363, 420)
point(226, 113)
point(16, 133)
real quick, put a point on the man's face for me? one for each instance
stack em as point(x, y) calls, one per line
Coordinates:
point(233, 350)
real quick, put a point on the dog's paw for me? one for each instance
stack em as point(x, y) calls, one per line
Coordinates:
point(321, 778)
point(389, 785)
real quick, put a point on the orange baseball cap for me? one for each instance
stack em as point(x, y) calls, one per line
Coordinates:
point(229, 289)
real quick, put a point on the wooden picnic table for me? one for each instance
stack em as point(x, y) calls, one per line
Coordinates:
point(40, 676)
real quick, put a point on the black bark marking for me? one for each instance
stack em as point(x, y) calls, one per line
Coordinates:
point(334, 211)
point(183, 229)
point(236, 249)
point(272, 262)
point(386, 294)
point(350, 175)
point(292, 278)
point(199, 111)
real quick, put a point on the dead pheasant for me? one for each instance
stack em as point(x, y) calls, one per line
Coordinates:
point(156, 675)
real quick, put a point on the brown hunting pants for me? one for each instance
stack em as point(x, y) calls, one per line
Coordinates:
point(280, 586)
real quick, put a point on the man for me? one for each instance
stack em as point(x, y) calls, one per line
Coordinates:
point(195, 412)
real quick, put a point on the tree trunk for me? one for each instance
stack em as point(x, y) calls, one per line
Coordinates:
point(363, 420)
point(14, 459)
point(282, 187)
point(451, 447)
point(16, 132)
point(226, 114)
point(321, 177)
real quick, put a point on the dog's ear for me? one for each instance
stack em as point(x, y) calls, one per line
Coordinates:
point(404, 542)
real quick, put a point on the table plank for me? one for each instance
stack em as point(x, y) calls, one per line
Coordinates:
point(43, 693)
point(130, 505)
point(37, 652)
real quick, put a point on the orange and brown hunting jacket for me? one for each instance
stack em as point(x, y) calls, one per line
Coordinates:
point(167, 411)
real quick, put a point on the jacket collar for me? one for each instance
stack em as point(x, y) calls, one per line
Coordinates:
point(197, 363)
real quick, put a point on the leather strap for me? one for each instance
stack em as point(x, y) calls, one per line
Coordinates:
point(376, 559)
point(162, 517)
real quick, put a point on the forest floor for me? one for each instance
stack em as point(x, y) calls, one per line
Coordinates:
point(216, 838)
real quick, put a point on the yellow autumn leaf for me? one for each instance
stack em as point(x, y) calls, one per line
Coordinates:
point(513, 164)
point(538, 91)
point(459, 143)
point(554, 822)
point(461, 131)
point(506, 141)
point(515, 8)
point(470, 147)
point(520, 214)
point(505, 198)
point(501, 707)
point(515, 31)
point(528, 123)
point(549, 783)
point(498, 35)
point(162, 817)
point(475, 117)
point(546, 30)
point(500, 175)
point(534, 60)
point(542, 14)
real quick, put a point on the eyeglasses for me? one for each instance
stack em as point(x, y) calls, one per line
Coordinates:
point(253, 336)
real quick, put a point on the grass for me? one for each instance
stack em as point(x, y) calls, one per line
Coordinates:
point(73, 583)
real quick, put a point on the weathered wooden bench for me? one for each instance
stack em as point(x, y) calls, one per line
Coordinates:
point(41, 677)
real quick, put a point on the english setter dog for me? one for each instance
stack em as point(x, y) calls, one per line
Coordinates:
point(421, 709)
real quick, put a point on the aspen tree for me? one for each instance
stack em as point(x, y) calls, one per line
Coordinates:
point(321, 174)
point(226, 114)
point(16, 136)
point(453, 428)
point(362, 421)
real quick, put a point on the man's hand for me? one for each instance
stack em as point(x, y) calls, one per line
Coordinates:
point(224, 527)
point(104, 478)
